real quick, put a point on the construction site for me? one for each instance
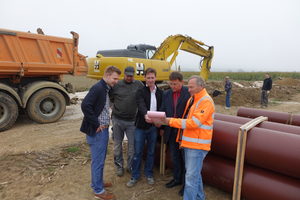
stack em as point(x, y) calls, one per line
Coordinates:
point(52, 161)
point(255, 152)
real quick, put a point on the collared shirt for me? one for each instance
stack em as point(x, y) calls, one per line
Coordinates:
point(104, 117)
point(153, 103)
point(175, 101)
point(178, 94)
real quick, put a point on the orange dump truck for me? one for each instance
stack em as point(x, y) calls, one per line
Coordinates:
point(31, 71)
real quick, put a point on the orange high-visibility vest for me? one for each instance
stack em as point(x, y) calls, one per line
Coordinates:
point(198, 126)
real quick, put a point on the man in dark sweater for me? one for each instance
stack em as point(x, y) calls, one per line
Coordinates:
point(124, 109)
point(267, 86)
point(148, 98)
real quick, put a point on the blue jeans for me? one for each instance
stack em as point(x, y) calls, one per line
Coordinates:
point(121, 126)
point(193, 189)
point(175, 155)
point(98, 145)
point(228, 98)
point(140, 136)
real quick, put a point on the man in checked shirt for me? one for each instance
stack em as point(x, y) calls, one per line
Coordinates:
point(95, 107)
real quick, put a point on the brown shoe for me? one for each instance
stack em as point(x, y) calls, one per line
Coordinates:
point(107, 185)
point(105, 196)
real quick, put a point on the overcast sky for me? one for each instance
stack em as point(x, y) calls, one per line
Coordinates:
point(259, 35)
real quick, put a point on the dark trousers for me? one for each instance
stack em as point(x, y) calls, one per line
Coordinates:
point(264, 98)
point(176, 155)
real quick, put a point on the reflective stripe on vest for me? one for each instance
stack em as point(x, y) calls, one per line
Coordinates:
point(197, 121)
point(195, 140)
point(200, 125)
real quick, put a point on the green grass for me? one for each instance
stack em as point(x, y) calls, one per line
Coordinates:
point(50, 169)
point(82, 83)
point(245, 76)
point(87, 155)
point(21, 165)
point(81, 89)
point(252, 76)
point(273, 103)
point(72, 149)
point(7, 157)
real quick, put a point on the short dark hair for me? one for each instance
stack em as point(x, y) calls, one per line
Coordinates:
point(176, 75)
point(110, 69)
point(150, 70)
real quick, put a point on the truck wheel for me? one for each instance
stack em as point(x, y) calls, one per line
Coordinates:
point(46, 106)
point(8, 111)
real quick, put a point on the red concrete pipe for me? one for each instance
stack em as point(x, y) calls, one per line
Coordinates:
point(272, 150)
point(257, 184)
point(279, 117)
point(265, 124)
point(169, 163)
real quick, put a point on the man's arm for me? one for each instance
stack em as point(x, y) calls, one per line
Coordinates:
point(140, 102)
point(87, 107)
point(163, 106)
point(200, 116)
point(141, 85)
point(271, 83)
point(111, 95)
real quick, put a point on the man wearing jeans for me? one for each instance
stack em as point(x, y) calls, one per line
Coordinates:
point(148, 98)
point(197, 126)
point(227, 89)
point(95, 107)
point(124, 109)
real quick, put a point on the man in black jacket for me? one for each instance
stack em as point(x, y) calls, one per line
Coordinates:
point(265, 90)
point(148, 98)
point(95, 107)
point(173, 103)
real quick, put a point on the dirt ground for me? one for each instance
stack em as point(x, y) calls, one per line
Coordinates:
point(52, 161)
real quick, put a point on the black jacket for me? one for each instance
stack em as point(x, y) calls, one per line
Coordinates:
point(167, 106)
point(143, 97)
point(91, 106)
point(267, 84)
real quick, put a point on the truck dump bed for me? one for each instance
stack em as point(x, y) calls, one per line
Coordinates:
point(34, 55)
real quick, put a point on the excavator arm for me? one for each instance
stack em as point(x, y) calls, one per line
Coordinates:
point(171, 45)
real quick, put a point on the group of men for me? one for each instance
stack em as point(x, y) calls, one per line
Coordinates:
point(188, 127)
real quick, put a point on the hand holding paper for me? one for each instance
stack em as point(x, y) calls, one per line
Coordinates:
point(157, 117)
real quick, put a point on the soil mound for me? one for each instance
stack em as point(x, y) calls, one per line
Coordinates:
point(247, 94)
point(287, 81)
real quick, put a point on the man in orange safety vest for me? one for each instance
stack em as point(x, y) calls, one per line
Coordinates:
point(194, 135)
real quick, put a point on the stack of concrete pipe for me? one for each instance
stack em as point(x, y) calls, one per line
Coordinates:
point(272, 158)
point(278, 117)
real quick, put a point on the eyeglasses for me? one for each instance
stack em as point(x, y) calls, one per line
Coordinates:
point(174, 84)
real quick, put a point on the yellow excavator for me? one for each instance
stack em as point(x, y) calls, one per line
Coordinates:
point(142, 56)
